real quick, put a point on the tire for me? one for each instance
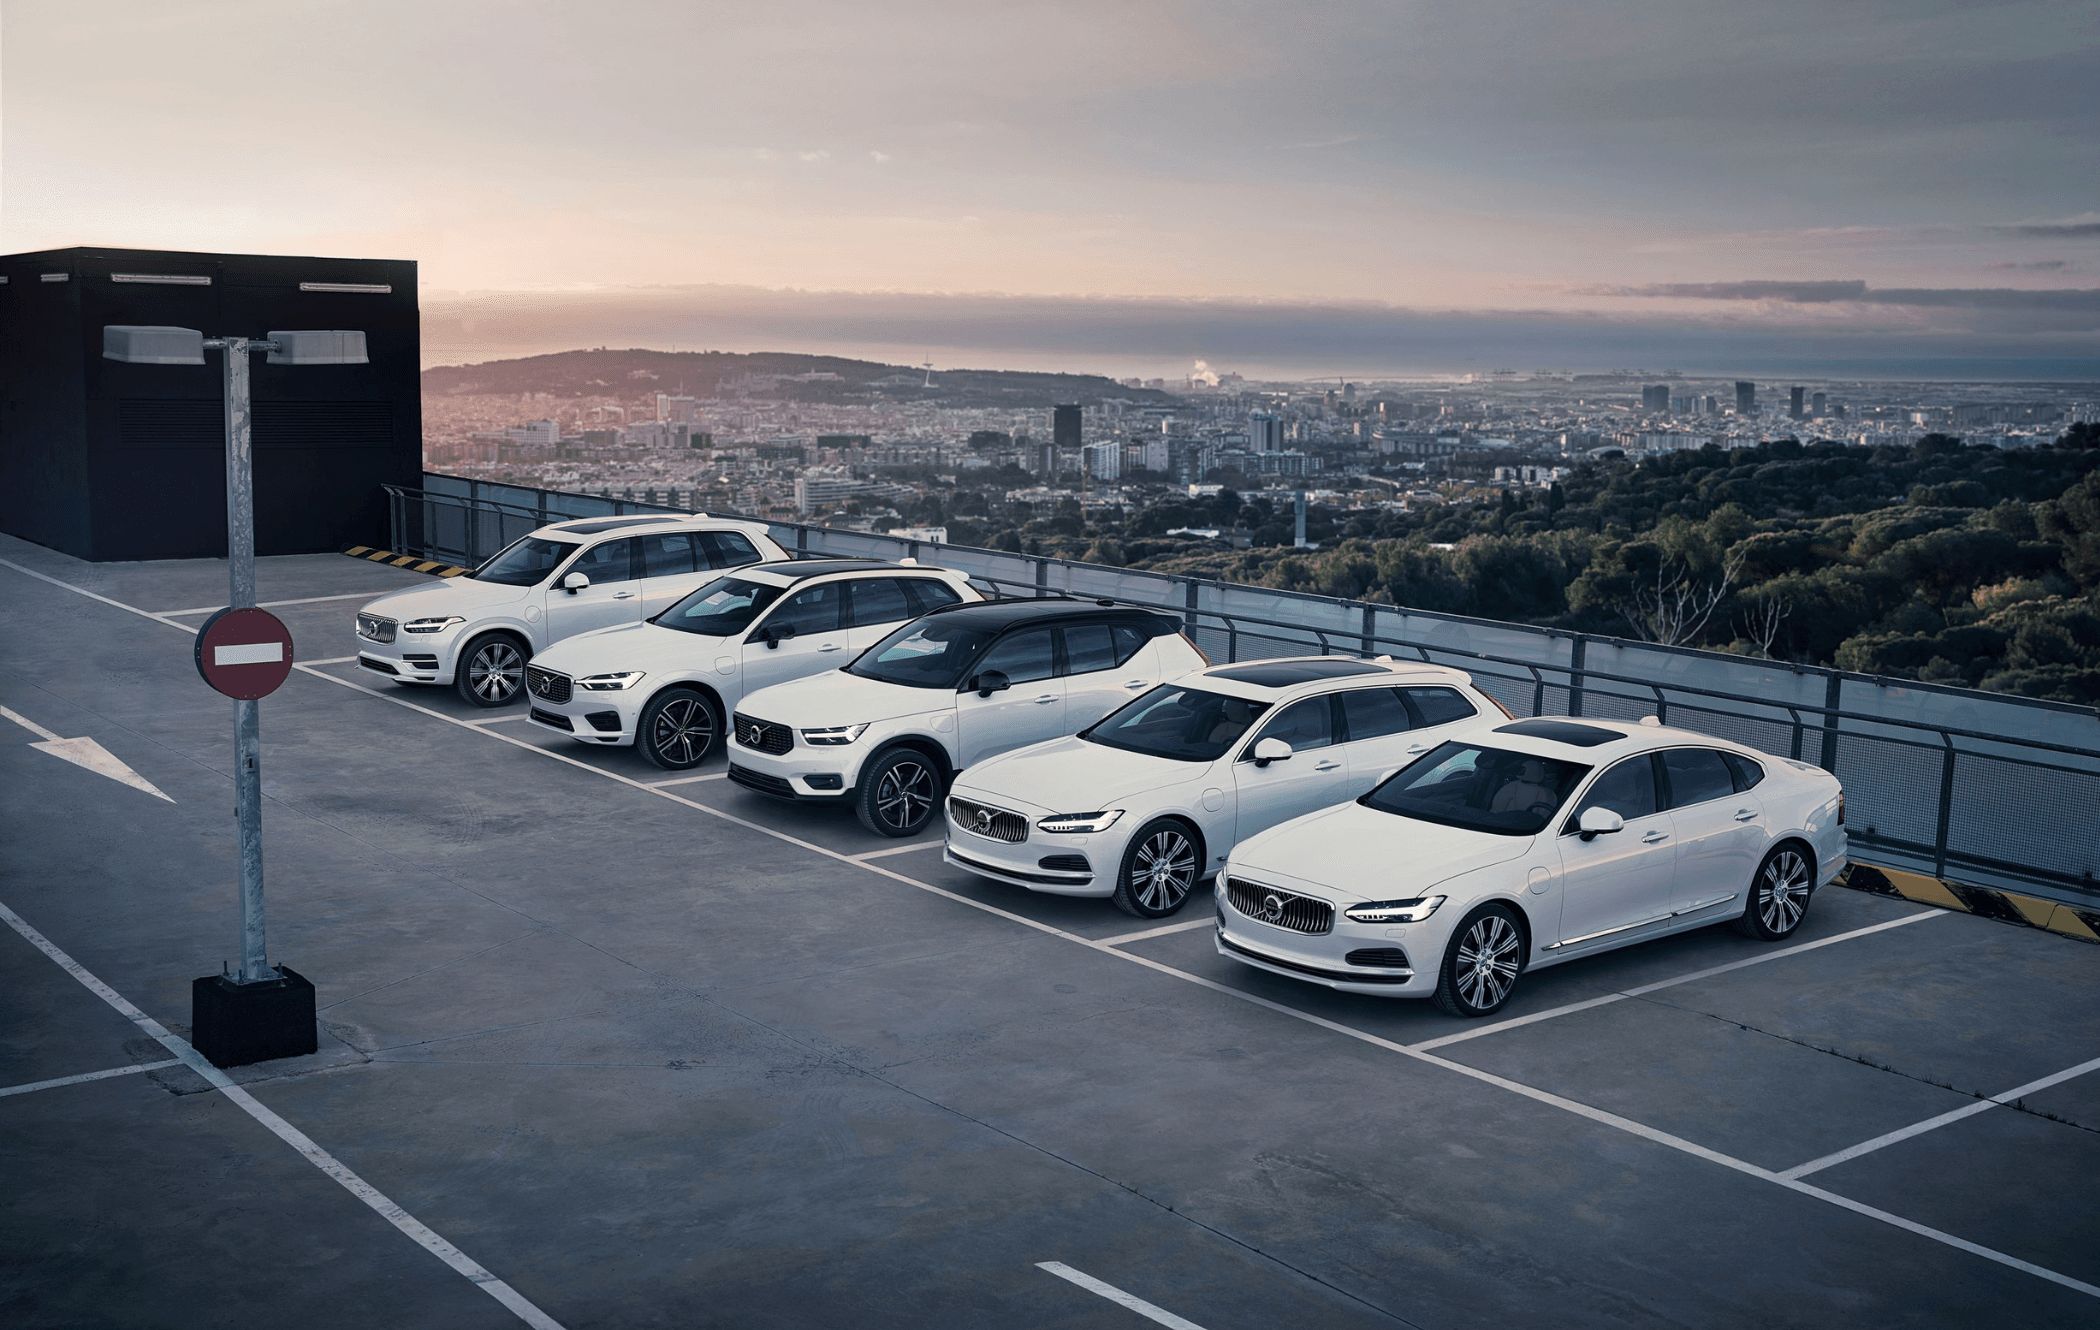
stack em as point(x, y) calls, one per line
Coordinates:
point(1160, 869)
point(491, 670)
point(1778, 894)
point(1481, 965)
point(900, 792)
point(679, 729)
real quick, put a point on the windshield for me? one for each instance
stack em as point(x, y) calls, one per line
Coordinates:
point(722, 608)
point(525, 562)
point(1185, 724)
point(929, 653)
point(1480, 789)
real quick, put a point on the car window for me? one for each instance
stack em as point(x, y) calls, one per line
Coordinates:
point(525, 562)
point(1440, 706)
point(1181, 724)
point(609, 561)
point(670, 554)
point(1022, 657)
point(1627, 789)
point(1371, 712)
point(879, 600)
point(1129, 641)
point(1746, 772)
point(1480, 789)
point(922, 654)
point(1696, 775)
point(1089, 647)
point(813, 609)
point(1303, 725)
point(727, 549)
point(722, 608)
point(929, 593)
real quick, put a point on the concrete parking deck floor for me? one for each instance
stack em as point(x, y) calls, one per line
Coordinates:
point(667, 1053)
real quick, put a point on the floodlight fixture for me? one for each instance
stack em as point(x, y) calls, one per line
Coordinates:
point(137, 344)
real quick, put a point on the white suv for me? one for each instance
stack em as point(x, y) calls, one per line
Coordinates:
point(477, 631)
point(887, 733)
point(664, 685)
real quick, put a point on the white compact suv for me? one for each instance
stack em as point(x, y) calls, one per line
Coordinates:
point(1148, 802)
point(664, 685)
point(477, 631)
point(888, 732)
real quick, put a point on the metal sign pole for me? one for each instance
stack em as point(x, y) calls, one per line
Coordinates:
point(247, 712)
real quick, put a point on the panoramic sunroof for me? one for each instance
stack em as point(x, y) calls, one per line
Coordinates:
point(1285, 673)
point(610, 524)
point(1561, 732)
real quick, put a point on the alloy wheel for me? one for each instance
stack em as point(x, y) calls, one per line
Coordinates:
point(684, 731)
point(1487, 962)
point(496, 672)
point(905, 794)
point(1782, 892)
point(1163, 870)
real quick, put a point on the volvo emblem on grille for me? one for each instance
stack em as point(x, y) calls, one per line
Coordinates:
point(1271, 908)
point(984, 819)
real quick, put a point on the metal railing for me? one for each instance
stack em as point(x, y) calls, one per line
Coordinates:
point(1998, 790)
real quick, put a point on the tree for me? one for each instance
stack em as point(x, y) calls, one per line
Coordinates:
point(1674, 608)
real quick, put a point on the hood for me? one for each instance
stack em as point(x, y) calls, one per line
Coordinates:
point(1070, 775)
point(633, 646)
point(1362, 854)
point(455, 595)
point(838, 698)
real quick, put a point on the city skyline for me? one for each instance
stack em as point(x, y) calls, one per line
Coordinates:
point(1902, 189)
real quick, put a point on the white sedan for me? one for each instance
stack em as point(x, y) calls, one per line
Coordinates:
point(1145, 803)
point(1528, 844)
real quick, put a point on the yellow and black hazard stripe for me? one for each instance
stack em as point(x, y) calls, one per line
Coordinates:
point(1989, 902)
point(408, 561)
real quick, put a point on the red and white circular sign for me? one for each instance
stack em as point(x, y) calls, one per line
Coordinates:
point(244, 653)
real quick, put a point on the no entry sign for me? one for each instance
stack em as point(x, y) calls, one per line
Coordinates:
point(244, 653)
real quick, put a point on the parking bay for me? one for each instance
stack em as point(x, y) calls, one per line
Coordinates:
point(684, 1054)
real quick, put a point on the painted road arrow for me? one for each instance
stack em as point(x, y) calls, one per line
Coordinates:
point(84, 752)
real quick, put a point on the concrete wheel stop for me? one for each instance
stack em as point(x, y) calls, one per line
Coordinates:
point(234, 1024)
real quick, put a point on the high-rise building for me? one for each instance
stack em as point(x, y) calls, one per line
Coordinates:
point(1104, 461)
point(1655, 397)
point(1818, 405)
point(1264, 433)
point(1713, 405)
point(1745, 398)
point(1795, 408)
point(1065, 431)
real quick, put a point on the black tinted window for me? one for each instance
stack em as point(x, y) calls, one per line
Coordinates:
point(1746, 772)
point(526, 562)
point(1696, 775)
point(1440, 706)
point(813, 609)
point(1089, 647)
point(1628, 789)
point(926, 653)
point(728, 549)
point(1021, 657)
point(612, 561)
point(1178, 723)
point(669, 555)
point(1483, 789)
point(1371, 712)
point(1303, 725)
point(928, 594)
point(879, 600)
point(1129, 641)
point(723, 607)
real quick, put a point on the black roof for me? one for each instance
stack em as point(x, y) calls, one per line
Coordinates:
point(998, 615)
point(1561, 732)
point(611, 524)
point(1288, 673)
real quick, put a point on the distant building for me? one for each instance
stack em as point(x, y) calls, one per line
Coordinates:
point(1819, 405)
point(1745, 398)
point(1103, 461)
point(932, 535)
point(1264, 433)
point(843, 441)
point(1795, 409)
point(1656, 397)
point(1065, 427)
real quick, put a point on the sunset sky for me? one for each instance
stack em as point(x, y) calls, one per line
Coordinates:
point(1123, 187)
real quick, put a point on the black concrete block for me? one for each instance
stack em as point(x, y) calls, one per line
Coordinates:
point(233, 1024)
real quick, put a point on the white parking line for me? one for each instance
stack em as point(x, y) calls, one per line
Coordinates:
point(81, 590)
point(277, 604)
point(498, 720)
point(86, 1076)
point(364, 1191)
point(1645, 989)
point(331, 660)
point(1161, 931)
point(899, 849)
point(1931, 1124)
point(1117, 1296)
point(686, 780)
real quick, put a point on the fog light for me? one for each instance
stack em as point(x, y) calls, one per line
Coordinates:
point(828, 781)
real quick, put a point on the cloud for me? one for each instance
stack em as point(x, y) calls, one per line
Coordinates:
point(1842, 292)
point(2039, 265)
point(2074, 228)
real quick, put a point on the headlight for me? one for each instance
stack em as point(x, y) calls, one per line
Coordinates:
point(432, 625)
point(611, 683)
point(836, 734)
point(1395, 912)
point(1073, 822)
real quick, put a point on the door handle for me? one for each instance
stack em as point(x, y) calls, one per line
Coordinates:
point(623, 595)
point(829, 646)
point(1746, 815)
point(1325, 766)
point(1418, 748)
point(1655, 838)
point(1134, 683)
point(1046, 698)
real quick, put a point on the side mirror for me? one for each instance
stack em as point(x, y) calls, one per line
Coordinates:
point(1271, 750)
point(992, 681)
point(574, 583)
point(776, 633)
point(1596, 822)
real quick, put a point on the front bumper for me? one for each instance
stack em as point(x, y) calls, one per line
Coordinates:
point(408, 659)
point(810, 773)
point(587, 717)
point(1408, 954)
point(1060, 865)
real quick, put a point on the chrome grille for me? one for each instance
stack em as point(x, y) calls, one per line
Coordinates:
point(372, 628)
point(547, 684)
point(990, 823)
point(1279, 908)
point(762, 735)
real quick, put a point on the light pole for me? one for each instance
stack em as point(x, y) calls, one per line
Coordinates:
point(261, 1011)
